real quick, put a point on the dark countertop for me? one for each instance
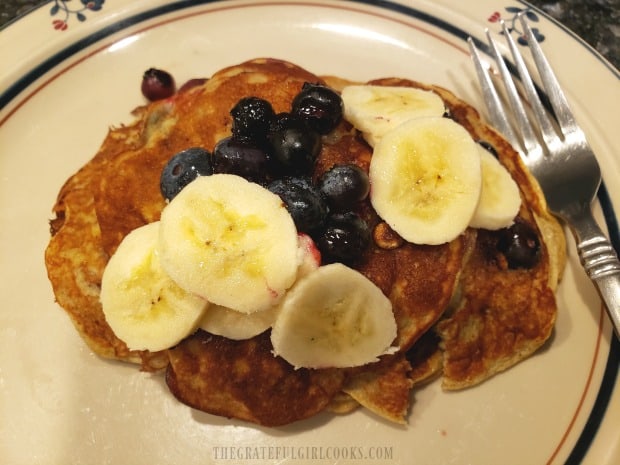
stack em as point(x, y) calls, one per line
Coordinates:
point(595, 21)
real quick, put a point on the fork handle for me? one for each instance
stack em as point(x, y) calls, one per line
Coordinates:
point(600, 261)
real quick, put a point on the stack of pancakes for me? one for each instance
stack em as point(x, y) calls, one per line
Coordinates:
point(460, 310)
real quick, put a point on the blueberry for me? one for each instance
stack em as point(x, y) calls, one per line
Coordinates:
point(520, 245)
point(286, 120)
point(294, 147)
point(157, 84)
point(343, 186)
point(345, 237)
point(233, 156)
point(318, 105)
point(252, 118)
point(302, 201)
point(182, 169)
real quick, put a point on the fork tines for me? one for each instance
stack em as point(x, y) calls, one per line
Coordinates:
point(528, 142)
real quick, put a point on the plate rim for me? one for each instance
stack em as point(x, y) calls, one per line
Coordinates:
point(608, 381)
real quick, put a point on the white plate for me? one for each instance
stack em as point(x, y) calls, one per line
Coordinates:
point(61, 90)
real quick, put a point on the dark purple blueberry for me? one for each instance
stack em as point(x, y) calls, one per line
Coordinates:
point(252, 117)
point(294, 147)
point(233, 156)
point(520, 245)
point(182, 169)
point(343, 186)
point(157, 84)
point(345, 237)
point(319, 106)
point(286, 120)
point(302, 201)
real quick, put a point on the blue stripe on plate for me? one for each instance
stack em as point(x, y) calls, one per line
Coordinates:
point(613, 361)
point(608, 382)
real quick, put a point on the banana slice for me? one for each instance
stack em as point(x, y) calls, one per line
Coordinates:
point(232, 324)
point(142, 305)
point(499, 199)
point(375, 110)
point(334, 317)
point(426, 179)
point(229, 241)
point(235, 325)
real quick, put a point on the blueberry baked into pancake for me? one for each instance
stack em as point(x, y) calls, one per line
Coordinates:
point(281, 244)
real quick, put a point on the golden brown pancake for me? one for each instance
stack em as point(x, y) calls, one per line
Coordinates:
point(342, 403)
point(505, 314)
point(118, 190)
point(75, 262)
point(127, 193)
point(243, 379)
point(419, 280)
point(425, 358)
point(384, 388)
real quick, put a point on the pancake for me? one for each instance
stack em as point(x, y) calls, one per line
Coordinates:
point(506, 314)
point(425, 358)
point(383, 388)
point(75, 261)
point(434, 290)
point(342, 403)
point(503, 314)
point(243, 379)
point(118, 190)
point(419, 280)
point(127, 193)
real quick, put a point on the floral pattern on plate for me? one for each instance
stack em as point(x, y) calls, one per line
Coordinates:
point(65, 11)
point(511, 20)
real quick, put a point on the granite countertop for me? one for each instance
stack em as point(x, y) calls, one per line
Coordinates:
point(595, 21)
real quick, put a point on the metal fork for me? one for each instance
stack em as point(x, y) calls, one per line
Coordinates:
point(557, 154)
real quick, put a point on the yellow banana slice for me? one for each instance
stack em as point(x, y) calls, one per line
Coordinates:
point(236, 325)
point(499, 199)
point(375, 110)
point(142, 305)
point(426, 179)
point(230, 241)
point(334, 317)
